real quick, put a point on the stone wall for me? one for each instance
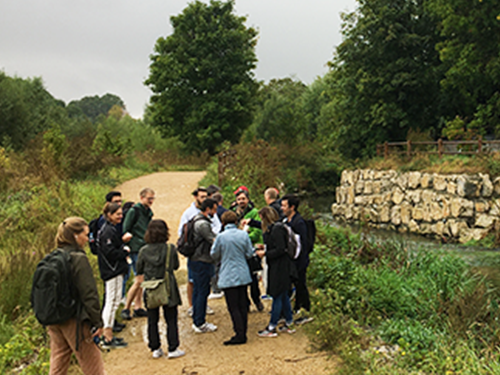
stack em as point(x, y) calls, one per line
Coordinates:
point(460, 207)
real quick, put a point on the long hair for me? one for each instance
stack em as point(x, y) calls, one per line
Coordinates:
point(269, 216)
point(67, 231)
point(157, 232)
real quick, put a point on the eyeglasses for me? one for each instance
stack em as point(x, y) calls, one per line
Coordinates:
point(151, 199)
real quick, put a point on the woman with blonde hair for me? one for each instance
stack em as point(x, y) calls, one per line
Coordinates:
point(72, 236)
point(281, 271)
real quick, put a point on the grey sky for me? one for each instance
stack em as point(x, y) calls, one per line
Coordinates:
point(91, 47)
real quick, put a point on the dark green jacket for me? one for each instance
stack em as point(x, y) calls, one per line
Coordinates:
point(151, 263)
point(136, 222)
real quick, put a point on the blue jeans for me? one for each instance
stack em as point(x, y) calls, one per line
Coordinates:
point(202, 273)
point(281, 303)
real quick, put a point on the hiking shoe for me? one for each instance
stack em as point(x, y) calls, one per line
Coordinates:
point(190, 311)
point(210, 311)
point(215, 295)
point(205, 328)
point(158, 353)
point(235, 341)
point(268, 332)
point(115, 343)
point(303, 320)
point(176, 353)
point(125, 314)
point(140, 313)
point(287, 328)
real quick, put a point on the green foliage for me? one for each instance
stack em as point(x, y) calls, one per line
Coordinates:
point(202, 78)
point(93, 107)
point(400, 309)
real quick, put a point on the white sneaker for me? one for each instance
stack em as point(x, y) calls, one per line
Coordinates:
point(176, 353)
point(158, 353)
point(205, 328)
point(216, 295)
point(210, 311)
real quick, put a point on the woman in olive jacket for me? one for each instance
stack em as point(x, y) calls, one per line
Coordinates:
point(280, 271)
point(72, 236)
point(151, 265)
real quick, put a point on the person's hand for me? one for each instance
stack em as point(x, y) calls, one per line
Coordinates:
point(127, 237)
point(108, 334)
point(97, 332)
point(126, 248)
point(244, 222)
point(260, 253)
point(260, 246)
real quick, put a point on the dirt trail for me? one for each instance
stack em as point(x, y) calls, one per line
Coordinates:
point(205, 354)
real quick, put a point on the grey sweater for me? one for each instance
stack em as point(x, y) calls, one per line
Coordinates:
point(204, 237)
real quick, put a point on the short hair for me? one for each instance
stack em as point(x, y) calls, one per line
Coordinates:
point(146, 191)
point(271, 193)
point(157, 232)
point(112, 194)
point(207, 203)
point(217, 197)
point(292, 200)
point(239, 192)
point(268, 216)
point(67, 231)
point(197, 190)
point(110, 208)
point(212, 189)
point(229, 217)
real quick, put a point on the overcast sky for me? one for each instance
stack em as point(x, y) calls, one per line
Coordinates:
point(84, 48)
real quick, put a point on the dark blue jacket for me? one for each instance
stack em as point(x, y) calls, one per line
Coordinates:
point(299, 226)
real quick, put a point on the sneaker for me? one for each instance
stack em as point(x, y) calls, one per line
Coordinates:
point(287, 328)
point(158, 353)
point(140, 313)
point(190, 311)
point(118, 327)
point(303, 320)
point(266, 297)
point(268, 332)
point(125, 314)
point(176, 353)
point(205, 328)
point(210, 311)
point(216, 295)
point(115, 343)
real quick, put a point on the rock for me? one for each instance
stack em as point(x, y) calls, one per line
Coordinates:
point(335, 209)
point(425, 228)
point(487, 186)
point(413, 226)
point(405, 211)
point(402, 181)
point(456, 227)
point(461, 207)
point(451, 188)
point(378, 199)
point(368, 190)
point(440, 182)
point(485, 221)
point(414, 179)
point(339, 198)
point(428, 196)
point(436, 211)
point(495, 207)
point(360, 186)
point(426, 214)
point(466, 186)
point(350, 195)
point(384, 215)
point(496, 186)
point(467, 235)
point(481, 206)
point(414, 196)
point(397, 196)
point(396, 215)
point(349, 211)
point(427, 180)
point(376, 187)
point(418, 212)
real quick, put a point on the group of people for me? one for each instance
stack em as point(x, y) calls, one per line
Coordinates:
point(225, 241)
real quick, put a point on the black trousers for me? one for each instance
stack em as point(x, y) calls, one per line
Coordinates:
point(301, 293)
point(237, 305)
point(254, 290)
point(170, 314)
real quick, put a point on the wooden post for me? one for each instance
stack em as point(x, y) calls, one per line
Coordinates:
point(408, 149)
point(480, 145)
point(378, 150)
point(440, 147)
point(386, 150)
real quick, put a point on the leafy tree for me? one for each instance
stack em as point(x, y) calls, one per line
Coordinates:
point(94, 106)
point(470, 52)
point(385, 75)
point(202, 78)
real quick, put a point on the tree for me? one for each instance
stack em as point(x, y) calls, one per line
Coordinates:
point(385, 75)
point(94, 106)
point(201, 77)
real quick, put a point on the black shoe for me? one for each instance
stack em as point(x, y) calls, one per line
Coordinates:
point(118, 327)
point(140, 313)
point(235, 341)
point(125, 314)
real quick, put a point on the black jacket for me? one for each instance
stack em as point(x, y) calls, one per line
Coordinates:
point(111, 256)
point(281, 270)
point(299, 226)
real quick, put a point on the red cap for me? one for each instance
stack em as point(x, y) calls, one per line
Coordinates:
point(240, 189)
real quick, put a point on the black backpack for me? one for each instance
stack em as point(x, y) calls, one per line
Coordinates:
point(53, 295)
point(185, 244)
point(93, 229)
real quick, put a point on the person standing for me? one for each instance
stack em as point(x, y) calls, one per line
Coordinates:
point(281, 271)
point(158, 260)
point(232, 248)
point(111, 257)
point(134, 228)
point(201, 265)
point(72, 236)
point(289, 205)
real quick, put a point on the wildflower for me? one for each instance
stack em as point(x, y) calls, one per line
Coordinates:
point(403, 353)
point(317, 332)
